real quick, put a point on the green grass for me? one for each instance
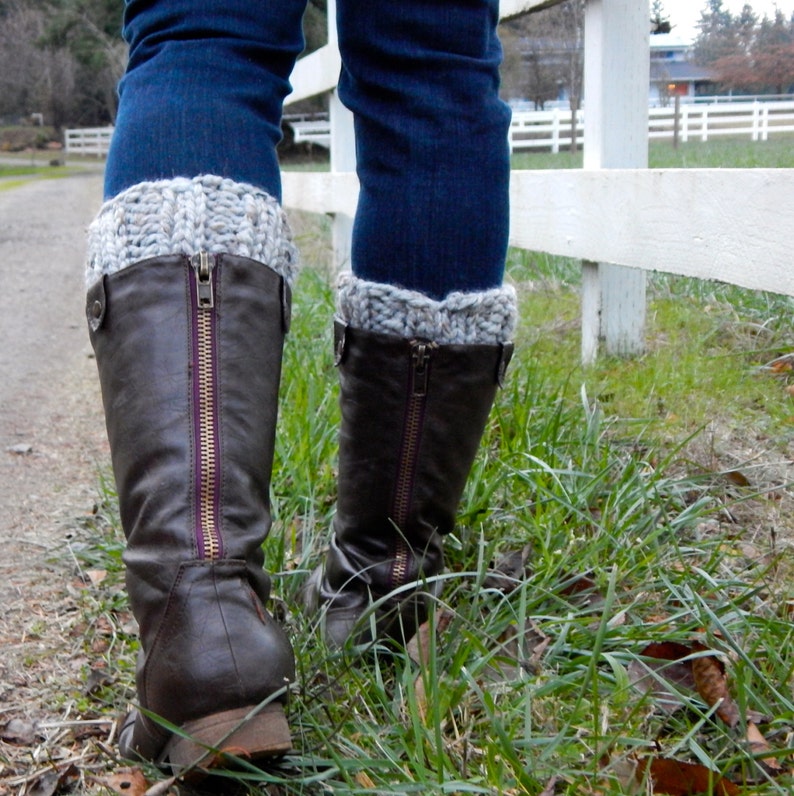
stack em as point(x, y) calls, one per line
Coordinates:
point(14, 176)
point(617, 487)
point(777, 152)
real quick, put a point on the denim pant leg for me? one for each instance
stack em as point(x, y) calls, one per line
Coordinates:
point(421, 77)
point(203, 90)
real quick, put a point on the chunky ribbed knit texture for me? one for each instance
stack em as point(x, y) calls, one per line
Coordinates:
point(185, 216)
point(486, 317)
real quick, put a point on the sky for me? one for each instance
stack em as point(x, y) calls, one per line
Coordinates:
point(684, 14)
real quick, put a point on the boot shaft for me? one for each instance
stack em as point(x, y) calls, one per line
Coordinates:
point(189, 358)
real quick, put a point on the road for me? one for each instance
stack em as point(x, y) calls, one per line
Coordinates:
point(52, 438)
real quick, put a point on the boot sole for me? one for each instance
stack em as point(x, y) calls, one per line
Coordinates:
point(212, 739)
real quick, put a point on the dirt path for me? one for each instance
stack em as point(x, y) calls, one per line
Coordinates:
point(51, 432)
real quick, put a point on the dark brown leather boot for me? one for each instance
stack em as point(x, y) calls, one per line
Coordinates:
point(413, 414)
point(189, 357)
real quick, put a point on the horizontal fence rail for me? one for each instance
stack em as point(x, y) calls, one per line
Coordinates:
point(88, 141)
point(730, 225)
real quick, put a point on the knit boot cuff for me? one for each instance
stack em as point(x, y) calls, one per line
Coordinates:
point(487, 317)
point(185, 216)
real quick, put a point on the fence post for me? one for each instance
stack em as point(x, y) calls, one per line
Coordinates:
point(685, 124)
point(343, 155)
point(617, 67)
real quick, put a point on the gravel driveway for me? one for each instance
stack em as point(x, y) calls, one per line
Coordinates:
point(51, 428)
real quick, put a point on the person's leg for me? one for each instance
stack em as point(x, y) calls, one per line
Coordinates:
point(203, 91)
point(424, 322)
point(189, 272)
point(422, 79)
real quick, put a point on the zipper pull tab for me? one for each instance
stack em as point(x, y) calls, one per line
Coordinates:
point(420, 362)
point(203, 266)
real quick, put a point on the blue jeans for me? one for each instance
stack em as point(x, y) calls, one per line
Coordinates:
point(203, 94)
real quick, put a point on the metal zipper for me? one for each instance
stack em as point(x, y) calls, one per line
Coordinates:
point(420, 355)
point(205, 414)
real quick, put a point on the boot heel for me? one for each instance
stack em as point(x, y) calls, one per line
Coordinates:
point(265, 735)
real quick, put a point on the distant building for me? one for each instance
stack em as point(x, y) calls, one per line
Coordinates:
point(672, 71)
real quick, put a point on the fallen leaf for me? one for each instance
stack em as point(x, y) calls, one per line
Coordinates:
point(704, 674)
point(508, 571)
point(96, 576)
point(18, 731)
point(364, 780)
point(780, 365)
point(662, 673)
point(130, 782)
point(737, 478)
point(418, 645)
point(676, 778)
point(712, 685)
point(97, 678)
point(417, 649)
point(758, 745)
point(53, 782)
point(582, 590)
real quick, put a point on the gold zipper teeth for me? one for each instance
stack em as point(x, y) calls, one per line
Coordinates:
point(411, 432)
point(400, 567)
point(207, 437)
point(420, 358)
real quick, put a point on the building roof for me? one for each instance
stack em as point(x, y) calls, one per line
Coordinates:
point(670, 41)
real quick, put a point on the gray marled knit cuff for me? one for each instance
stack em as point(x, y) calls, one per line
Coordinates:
point(487, 317)
point(185, 216)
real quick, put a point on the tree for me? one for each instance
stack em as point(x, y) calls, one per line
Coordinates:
point(544, 55)
point(660, 22)
point(746, 54)
point(717, 33)
point(90, 30)
point(32, 79)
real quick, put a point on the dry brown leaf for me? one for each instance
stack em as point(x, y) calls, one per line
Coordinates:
point(96, 576)
point(364, 780)
point(417, 647)
point(758, 744)
point(129, 781)
point(509, 570)
point(19, 731)
point(52, 782)
point(98, 677)
point(737, 478)
point(663, 673)
point(675, 778)
point(704, 674)
point(781, 365)
point(712, 685)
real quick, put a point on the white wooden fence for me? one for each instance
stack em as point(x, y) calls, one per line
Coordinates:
point(621, 219)
point(757, 120)
point(88, 141)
